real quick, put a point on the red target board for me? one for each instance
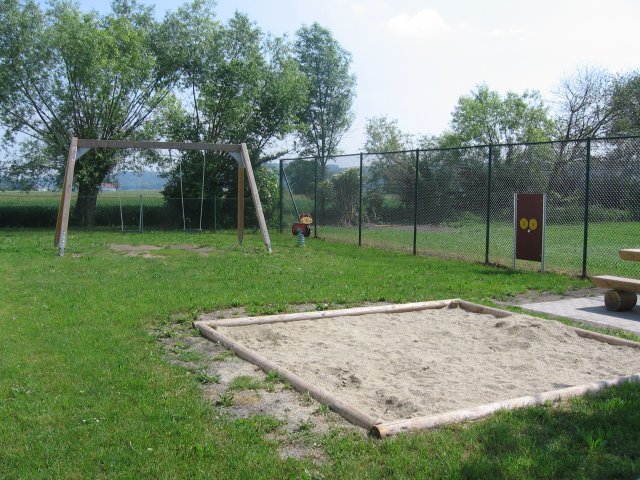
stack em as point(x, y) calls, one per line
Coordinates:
point(529, 226)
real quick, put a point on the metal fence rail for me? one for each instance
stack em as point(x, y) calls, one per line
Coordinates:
point(458, 202)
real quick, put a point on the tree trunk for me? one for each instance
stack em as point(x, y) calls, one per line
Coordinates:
point(90, 172)
point(323, 200)
point(85, 210)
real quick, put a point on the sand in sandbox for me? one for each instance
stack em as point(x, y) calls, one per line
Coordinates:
point(395, 366)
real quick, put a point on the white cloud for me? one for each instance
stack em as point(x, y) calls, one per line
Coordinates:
point(424, 24)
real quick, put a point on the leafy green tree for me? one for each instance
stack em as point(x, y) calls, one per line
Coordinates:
point(66, 73)
point(625, 101)
point(345, 187)
point(239, 86)
point(392, 165)
point(327, 115)
point(300, 174)
point(486, 117)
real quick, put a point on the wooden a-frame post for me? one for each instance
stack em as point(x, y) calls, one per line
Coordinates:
point(238, 151)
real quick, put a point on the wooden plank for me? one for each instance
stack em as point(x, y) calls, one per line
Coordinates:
point(122, 144)
point(294, 317)
point(65, 201)
point(631, 254)
point(617, 283)
point(257, 204)
point(347, 411)
point(240, 219)
point(433, 421)
point(65, 181)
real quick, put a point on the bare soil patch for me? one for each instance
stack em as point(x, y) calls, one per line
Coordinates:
point(201, 249)
point(145, 251)
point(302, 420)
point(135, 250)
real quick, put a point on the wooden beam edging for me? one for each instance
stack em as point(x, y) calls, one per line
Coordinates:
point(350, 413)
point(293, 317)
point(395, 427)
point(610, 339)
point(477, 308)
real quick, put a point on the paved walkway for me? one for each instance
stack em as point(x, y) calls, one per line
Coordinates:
point(589, 310)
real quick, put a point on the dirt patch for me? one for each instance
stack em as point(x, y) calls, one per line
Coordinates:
point(242, 390)
point(135, 250)
point(202, 249)
point(145, 250)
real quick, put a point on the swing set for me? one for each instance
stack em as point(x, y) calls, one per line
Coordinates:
point(238, 152)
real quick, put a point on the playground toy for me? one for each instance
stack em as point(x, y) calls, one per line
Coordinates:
point(238, 152)
point(302, 229)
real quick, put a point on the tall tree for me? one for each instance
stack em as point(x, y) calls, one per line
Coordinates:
point(66, 73)
point(584, 105)
point(327, 115)
point(392, 168)
point(486, 117)
point(384, 135)
point(239, 86)
point(626, 104)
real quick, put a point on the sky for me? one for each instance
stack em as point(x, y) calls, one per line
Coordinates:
point(413, 59)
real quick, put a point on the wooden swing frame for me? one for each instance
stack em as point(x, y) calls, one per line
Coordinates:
point(239, 152)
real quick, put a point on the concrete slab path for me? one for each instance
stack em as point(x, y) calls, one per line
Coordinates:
point(590, 310)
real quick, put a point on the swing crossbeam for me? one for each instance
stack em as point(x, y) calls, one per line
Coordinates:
point(79, 145)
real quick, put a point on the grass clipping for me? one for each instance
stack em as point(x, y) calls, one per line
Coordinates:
point(403, 365)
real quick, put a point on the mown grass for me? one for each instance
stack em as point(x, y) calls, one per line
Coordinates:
point(563, 246)
point(85, 390)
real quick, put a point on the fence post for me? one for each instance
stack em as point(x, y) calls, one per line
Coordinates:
point(415, 206)
point(141, 219)
point(586, 207)
point(315, 198)
point(360, 205)
point(215, 214)
point(486, 249)
point(280, 191)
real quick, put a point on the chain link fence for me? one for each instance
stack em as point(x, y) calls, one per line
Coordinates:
point(459, 202)
point(452, 203)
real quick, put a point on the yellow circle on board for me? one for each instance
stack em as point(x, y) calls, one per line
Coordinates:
point(524, 223)
point(533, 224)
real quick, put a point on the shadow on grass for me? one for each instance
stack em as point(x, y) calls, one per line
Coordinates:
point(593, 437)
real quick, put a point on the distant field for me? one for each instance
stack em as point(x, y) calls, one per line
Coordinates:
point(49, 198)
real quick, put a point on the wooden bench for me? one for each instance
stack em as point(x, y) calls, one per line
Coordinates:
point(623, 291)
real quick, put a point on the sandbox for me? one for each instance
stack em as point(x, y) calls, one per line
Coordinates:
point(393, 368)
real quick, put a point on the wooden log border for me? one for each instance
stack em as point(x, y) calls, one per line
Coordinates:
point(380, 429)
point(395, 427)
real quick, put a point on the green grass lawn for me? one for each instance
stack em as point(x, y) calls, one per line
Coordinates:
point(563, 246)
point(86, 392)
